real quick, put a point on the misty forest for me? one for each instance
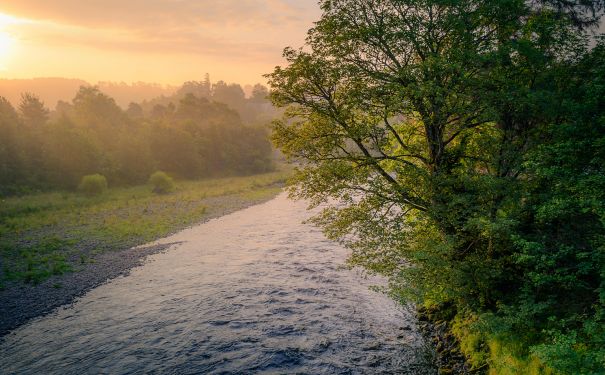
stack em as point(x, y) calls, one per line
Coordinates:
point(197, 132)
point(417, 187)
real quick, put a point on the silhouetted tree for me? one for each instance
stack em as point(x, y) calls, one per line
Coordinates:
point(95, 109)
point(134, 110)
point(231, 94)
point(32, 110)
point(260, 94)
point(10, 160)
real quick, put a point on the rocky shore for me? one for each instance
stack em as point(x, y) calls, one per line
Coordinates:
point(435, 325)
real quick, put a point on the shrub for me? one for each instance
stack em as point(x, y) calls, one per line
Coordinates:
point(93, 184)
point(162, 183)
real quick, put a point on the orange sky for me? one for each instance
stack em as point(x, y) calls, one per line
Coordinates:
point(163, 41)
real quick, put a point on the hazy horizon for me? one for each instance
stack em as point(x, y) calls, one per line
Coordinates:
point(51, 90)
point(168, 43)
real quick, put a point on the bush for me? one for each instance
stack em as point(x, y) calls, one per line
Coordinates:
point(93, 184)
point(162, 183)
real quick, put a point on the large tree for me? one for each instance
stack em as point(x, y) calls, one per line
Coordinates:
point(419, 118)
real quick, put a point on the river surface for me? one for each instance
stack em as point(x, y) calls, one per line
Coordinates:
point(253, 292)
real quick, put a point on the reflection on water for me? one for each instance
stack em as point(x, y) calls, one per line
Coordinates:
point(252, 292)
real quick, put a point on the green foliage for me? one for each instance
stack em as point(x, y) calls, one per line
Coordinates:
point(11, 160)
point(161, 182)
point(463, 146)
point(190, 137)
point(38, 261)
point(119, 219)
point(32, 110)
point(94, 184)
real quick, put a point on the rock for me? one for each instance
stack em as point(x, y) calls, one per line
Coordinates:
point(435, 326)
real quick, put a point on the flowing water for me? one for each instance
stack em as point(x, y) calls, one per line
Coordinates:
point(256, 291)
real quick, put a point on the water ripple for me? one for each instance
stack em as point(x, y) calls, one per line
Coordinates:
point(252, 292)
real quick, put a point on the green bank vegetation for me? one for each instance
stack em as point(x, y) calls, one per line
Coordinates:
point(464, 142)
point(93, 184)
point(52, 233)
point(161, 182)
point(89, 176)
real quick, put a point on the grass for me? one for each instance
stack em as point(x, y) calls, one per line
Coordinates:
point(54, 233)
point(505, 355)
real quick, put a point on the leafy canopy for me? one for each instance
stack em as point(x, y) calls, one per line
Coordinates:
point(445, 137)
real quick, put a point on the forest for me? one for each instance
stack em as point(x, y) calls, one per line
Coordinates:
point(203, 130)
point(460, 146)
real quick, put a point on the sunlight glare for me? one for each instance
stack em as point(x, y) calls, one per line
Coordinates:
point(6, 40)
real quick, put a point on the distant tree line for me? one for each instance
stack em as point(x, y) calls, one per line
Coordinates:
point(255, 109)
point(188, 137)
point(51, 90)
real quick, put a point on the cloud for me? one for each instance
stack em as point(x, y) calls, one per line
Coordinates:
point(230, 28)
point(152, 14)
point(177, 41)
point(152, 40)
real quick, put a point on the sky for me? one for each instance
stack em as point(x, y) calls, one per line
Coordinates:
point(162, 41)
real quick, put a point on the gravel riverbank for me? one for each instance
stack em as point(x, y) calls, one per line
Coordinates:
point(19, 302)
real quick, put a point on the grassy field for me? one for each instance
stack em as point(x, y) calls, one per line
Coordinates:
point(54, 233)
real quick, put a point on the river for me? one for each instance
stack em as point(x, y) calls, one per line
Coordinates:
point(256, 291)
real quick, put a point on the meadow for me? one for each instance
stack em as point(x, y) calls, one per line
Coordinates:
point(54, 233)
